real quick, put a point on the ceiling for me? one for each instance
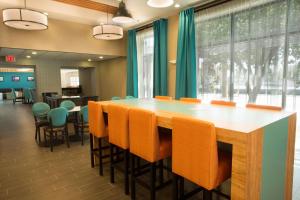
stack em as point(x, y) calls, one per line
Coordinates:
point(61, 11)
point(52, 55)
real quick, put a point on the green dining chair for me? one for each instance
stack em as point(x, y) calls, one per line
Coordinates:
point(40, 111)
point(68, 104)
point(130, 97)
point(27, 95)
point(83, 121)
point(14, 96)
point(57, 119)
point(115, 98)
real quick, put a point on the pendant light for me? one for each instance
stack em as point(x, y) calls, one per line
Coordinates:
point(122, 16)
point(107, 31)
point(23, 18)
point(160, 3)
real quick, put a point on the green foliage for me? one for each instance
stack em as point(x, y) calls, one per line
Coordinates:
point(258, 43)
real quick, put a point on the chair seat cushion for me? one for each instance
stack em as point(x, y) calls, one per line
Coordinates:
point(224, 168)
point(165, 148)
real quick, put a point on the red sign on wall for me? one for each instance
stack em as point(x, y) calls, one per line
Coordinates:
point(10, 58)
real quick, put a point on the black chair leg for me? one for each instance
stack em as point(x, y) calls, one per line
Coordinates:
point(51, 141)
point(207, 195)
point(138, 164)
point(92, 151)
point(153, 180)
point(126, 174)
point(112, 169)
point(161, 171)
point(82, 135)
point(67, 136)
point(181, 187)
point(132, 180)
point(39, 135)
point(100, 157)
point(36, 132)
point(175, 187)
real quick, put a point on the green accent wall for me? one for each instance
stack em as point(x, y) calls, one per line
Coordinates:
point(275, 141)
point(23, 83)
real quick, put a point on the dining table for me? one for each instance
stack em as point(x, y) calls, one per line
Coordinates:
point(262, 141)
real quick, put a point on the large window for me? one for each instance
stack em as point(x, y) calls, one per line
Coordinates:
point(69, 78)
point(248, 51)
point(145, 48)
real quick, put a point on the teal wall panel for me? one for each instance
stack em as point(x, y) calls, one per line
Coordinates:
point(275, 141)
point(23, 83)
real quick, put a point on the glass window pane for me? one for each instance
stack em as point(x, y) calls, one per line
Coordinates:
point(69, 78)
point(259, 35)
point(145, 48)
point(213, 71)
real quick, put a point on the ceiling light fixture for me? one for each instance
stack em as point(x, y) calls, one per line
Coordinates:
point(34, 53)
point(23, 18)
point(101, 57)
point(89, 60)
point(177, 5)
point(160, 3)
point(108, 31)
point(122, 15)
point(28, 56)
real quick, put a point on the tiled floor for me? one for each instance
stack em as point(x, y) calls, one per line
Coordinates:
point(30, 172)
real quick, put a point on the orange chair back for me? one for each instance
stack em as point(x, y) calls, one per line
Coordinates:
point(163, 98)
point(194, 151)
point(143, 134)
point(223, 103)
point(96, 120)
point(275, 108)
point(190, 100)
point(118, 125)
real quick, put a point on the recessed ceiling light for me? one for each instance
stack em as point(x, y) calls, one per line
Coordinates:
point(89, 60)
point(101, 57)
point(177, 5)
point(28, 56)
point(34, 53)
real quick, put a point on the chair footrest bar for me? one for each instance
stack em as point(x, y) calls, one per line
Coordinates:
point(192, 193)
point(221, 194)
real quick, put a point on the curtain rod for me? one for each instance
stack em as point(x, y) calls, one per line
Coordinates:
point(210, 5)
point(197, 8)
point(144, 27)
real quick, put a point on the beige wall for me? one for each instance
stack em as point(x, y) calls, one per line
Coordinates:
point(111, 78)
point(60, 36)
point(172, 51)
point(112, 73)
point(47, 74)
point(85, 78)
point(108, 78)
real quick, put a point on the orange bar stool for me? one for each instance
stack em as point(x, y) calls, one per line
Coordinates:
point(98, 131)
point(118, 139)
point(267, 107)
point(223, 103)
point(190, 100)
point(195, 157)
point(145, 142)
point(163, 98)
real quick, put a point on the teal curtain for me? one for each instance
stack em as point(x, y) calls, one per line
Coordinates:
point(186, 82)
point(160, 63)
point(132, 74)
